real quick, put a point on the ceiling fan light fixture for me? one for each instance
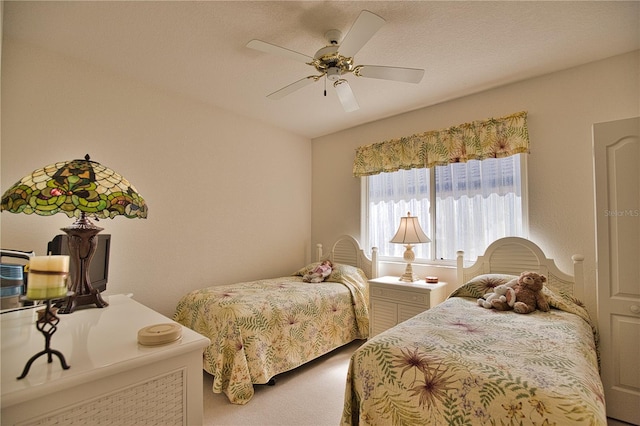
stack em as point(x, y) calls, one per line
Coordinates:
point(333, 74)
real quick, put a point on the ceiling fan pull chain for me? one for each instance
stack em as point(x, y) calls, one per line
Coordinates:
point(325, 85)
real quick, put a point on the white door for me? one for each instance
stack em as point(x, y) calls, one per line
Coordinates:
point(617, 172)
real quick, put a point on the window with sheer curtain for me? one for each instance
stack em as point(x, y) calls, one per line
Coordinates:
point(466, 184)
point(475, 204)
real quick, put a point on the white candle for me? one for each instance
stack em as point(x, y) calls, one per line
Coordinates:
point(47, 277)
point(50, 263)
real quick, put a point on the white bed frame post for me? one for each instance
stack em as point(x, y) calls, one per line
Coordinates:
point(460, 267)
point(578, 276)
point(374, 263)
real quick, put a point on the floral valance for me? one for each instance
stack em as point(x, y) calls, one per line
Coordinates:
point(492, 138)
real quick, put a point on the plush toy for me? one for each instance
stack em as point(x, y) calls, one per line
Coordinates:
point(502, 297)
point(319, 273)
point(528, 291)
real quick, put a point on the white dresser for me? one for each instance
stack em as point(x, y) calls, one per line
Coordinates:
point(112, 380)
point(393, 301)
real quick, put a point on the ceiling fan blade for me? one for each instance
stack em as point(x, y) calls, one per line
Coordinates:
point(263, 46)
point(407, 75)
point(345, 94)
point(365, 26)
point(279, 94)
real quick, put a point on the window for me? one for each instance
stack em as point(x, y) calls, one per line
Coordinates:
point(461, 206)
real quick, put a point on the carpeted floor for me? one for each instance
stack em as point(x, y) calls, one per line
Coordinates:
point(311, 395)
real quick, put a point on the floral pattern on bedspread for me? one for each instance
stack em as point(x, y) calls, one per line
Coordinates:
point(461, 364)
point(263, 328)
point(485, 283)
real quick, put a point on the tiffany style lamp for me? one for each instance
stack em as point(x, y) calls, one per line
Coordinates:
point(80, 189)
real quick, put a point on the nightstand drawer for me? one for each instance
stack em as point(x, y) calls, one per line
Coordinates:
point(405, 312)
point(392, 301)
point(401, 296)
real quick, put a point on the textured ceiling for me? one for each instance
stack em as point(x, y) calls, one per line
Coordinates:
point(197, 49)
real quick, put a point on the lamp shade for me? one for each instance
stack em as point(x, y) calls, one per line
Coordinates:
point(76, 188)
point(410, 232)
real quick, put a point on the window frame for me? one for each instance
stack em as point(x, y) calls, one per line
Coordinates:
point(364, 214)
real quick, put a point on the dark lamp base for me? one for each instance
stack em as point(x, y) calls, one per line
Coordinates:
point(82, 246)
point(75, 301)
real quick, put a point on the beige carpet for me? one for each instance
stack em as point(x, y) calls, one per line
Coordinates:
point(311, 395)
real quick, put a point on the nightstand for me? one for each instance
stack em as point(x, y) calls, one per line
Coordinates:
point(392, 301)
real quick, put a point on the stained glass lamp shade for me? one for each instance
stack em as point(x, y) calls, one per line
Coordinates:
point(80, 189)
point(409, 233)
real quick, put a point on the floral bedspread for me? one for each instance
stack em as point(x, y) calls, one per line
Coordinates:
point(461, 364)
point(263, 328)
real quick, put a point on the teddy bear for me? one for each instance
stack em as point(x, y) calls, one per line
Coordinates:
point(502, 297)
point(528, 292)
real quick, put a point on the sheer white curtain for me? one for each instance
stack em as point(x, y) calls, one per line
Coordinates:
point(391, 196)
point(476, 203)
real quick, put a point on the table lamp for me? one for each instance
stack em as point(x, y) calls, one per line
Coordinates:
point(78, 188)
point(409, 233)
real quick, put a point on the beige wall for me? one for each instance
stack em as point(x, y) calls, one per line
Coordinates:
point(56, 109)
point(229, 198)
point(562, 108)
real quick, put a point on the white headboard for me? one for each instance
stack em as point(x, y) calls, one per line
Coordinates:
point(347, 250)
point(513, 255)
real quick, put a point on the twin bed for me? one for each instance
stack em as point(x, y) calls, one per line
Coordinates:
point(457, 363)
point(263, 328)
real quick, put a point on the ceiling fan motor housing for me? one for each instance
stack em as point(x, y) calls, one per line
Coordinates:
point(328, 58)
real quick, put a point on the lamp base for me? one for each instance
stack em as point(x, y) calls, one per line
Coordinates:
point(408, 275)
point(74, 301)
point(82, 246)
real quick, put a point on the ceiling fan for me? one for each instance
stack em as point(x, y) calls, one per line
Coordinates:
point(337, 59)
